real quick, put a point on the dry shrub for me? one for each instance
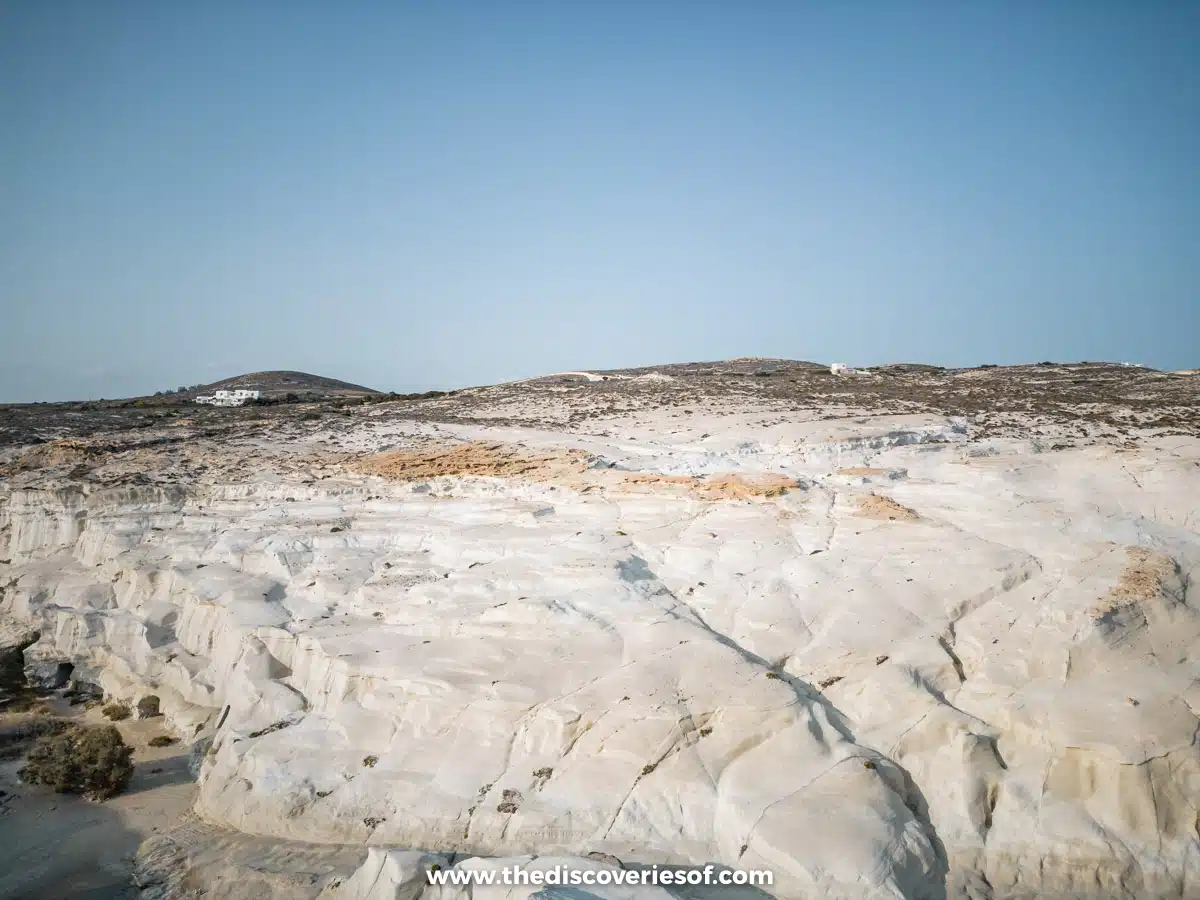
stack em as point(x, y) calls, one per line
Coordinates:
point(90, 760)
point(116, 711)
point(17, 732)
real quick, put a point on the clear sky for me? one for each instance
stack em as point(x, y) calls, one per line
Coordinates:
point(428, 194)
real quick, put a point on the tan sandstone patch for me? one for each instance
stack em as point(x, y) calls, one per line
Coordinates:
point(863, 472)
point(568, 467)
point(716, 487)
point(1140, 582)
point(477, 458)
point(57, 454)
point(879, 506)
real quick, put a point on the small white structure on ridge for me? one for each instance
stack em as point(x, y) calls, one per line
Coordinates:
point(229, 398)
point(842, 369)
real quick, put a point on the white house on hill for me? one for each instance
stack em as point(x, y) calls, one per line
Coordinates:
point(842, 369)
point(229, 398)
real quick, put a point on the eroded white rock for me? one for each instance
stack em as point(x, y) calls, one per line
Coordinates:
point(927, 668)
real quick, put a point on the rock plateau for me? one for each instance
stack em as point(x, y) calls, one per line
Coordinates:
point(922, 634)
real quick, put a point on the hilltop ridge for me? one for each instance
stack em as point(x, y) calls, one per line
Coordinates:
point(284, 381)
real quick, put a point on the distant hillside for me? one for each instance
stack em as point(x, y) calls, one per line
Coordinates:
point(279, 383)
point(746, 365)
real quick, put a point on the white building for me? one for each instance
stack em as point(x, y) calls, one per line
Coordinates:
point(229, 398)
point(843, 369)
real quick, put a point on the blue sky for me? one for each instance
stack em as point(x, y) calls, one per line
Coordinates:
point(415, 194)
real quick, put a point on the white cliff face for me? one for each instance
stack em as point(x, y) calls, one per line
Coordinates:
point(930, 666)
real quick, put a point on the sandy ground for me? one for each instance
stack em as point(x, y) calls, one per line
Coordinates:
point(60, 847)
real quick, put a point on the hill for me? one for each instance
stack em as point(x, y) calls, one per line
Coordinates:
point(281, 382)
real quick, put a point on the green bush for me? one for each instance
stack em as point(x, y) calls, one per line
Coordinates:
point(161, 740)
point(88, 760)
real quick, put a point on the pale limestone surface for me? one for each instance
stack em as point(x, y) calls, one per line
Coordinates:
point(991, 693)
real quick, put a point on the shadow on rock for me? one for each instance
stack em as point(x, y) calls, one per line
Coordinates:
point(61, 846)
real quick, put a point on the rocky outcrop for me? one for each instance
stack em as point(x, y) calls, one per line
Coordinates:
point(390, 875)
point(971, 675)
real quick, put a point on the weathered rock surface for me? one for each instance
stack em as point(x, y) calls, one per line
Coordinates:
point(881, 656)
point(389, 875)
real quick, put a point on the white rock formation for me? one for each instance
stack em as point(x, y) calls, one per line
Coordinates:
point(390, 875)
point(930, 668)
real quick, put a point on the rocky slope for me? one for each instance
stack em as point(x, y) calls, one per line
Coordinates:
point(856, 632)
